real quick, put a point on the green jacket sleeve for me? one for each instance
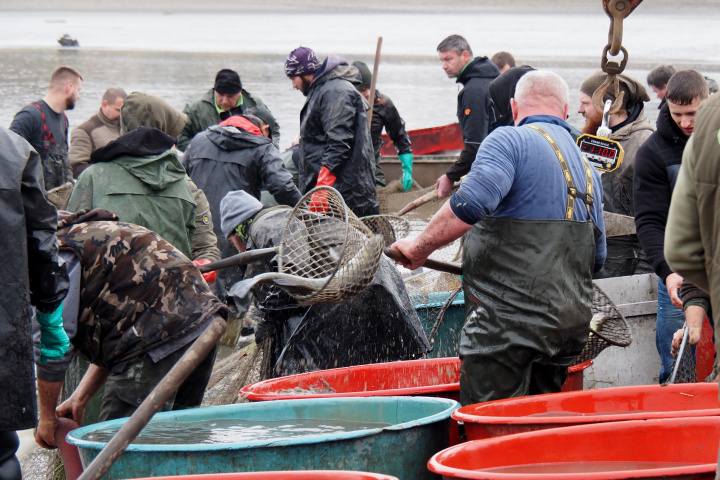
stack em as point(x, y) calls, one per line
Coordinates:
point(683, 247)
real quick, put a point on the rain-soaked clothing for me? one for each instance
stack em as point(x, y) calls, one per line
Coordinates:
point(386, 116)
point(225, 158)
point(625, 256)
point(474, 111)
point(141, 179)
point(378, 325)
point(527, 270)
point(47, 131)
point(136, 304)
point(334, 133)
point(31, 275)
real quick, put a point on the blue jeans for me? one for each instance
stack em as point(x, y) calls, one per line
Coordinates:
point(669, 320)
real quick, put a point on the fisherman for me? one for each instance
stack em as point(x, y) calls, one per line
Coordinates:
point(139, 176)
point(657, 165)
point(335, 145)
point(385, 115)
point(532, 241)
point(45, 126)
point(378, 325)
point(630, 128)
point(658, 79)
point(691, 237)
point(135, 305)
point(32, 275)
point(226, 98)
point(237, 154)
point(473, 105)
point(99, 130)
point(501, 90)
point(504, 61)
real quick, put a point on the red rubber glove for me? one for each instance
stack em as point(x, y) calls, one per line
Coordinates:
point(209, 277)
point(318, 200)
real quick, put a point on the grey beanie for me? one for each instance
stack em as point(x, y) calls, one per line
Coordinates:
point(235, 208)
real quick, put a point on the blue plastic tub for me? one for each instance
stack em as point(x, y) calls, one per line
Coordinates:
point(419, 428)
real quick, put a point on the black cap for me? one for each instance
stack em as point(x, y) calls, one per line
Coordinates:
point(227, 82)
point(263, 113)
point(365, 75)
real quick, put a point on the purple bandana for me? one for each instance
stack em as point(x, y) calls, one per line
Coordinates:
point(301, 61)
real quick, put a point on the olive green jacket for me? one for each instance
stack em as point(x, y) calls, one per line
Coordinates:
point(202, 114)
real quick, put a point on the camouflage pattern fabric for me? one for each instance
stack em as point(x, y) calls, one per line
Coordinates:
point(138, 292)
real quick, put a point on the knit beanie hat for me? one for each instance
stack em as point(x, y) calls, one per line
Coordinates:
point(301, 61)
point(227, 82)
point(634, 91)
point(365, 74)
point(235, 208)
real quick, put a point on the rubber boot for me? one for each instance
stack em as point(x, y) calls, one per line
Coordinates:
point(9, 464)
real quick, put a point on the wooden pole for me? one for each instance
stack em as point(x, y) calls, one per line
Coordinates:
point(155, 401)
point(374, 79)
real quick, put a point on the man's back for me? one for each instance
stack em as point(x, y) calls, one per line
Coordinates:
point(141, 180)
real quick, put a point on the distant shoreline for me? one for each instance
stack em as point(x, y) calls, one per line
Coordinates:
point(310, 6)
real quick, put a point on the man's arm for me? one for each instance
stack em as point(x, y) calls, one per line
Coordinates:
point(188, 131)
point(80, 150)
point(683, 245)
point(204, 241)
point(278, 180)
point(651, 198)
point(444, 228)
point(48, 394)
point(48, 279)
point(395, 127)
point(74, 407)
point(338, 119)
point(25, 123)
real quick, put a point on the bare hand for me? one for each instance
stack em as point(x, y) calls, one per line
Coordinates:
point(71, 409)
point(45, 434)
point(443, 186)
point(672, 283)
point(408, 248)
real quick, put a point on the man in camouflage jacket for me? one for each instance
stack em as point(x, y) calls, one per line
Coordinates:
point(135, 305)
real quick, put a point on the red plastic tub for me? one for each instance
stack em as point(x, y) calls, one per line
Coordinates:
point(684, 448)
point(436, 377)
point(524, 414)
point(289, 475)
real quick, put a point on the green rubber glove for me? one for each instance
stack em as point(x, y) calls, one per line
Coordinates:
point(406, 161)
point(54, 342)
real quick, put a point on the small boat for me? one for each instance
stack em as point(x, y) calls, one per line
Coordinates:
point(67, 41)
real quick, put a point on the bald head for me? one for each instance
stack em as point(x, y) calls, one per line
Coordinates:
point(540, 92)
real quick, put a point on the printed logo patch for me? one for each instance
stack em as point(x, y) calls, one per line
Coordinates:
point(206, 219)
point(467, 111)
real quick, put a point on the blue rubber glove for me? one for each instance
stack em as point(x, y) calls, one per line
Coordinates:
point(54, 342)
point(406, 161)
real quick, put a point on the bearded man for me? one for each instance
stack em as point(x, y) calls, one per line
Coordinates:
point(630, 128)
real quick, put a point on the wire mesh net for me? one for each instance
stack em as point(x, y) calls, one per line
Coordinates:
point(684, 368)
point(390, 227)
point(60, 196)
point(326, 242)
point(607, 327)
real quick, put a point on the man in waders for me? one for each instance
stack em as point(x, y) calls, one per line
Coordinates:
point(45, 126)
point(534, 234)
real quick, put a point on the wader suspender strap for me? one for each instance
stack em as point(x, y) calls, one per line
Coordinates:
point(48, 138)
point(572, 191)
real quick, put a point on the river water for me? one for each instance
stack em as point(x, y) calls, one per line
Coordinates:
point(175, 54)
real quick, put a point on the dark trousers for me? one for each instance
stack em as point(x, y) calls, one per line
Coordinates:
point(9, 464)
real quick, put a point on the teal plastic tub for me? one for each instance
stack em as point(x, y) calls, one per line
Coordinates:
point(418, 428)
